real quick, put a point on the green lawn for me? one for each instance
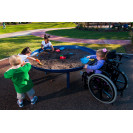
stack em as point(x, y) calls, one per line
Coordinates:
point(75, 33)
point(35, 25)
point(14, 45)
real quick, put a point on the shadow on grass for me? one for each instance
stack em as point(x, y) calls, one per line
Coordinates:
point(20, 39)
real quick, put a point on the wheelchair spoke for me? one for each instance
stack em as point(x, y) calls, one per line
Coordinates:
point(120, 81)
point(101, 97)
point(102, 89)
point(107, 94)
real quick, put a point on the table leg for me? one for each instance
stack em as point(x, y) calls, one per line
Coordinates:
point(68, 80)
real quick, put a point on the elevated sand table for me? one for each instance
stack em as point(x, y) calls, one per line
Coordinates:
point(51, 60)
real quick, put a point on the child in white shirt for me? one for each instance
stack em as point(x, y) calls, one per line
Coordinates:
point(25, 55)
point(46, 43)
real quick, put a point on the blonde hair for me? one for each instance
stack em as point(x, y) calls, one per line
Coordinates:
point(15, 60)
point(101, 53)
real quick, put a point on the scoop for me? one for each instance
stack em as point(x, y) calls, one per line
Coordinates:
point(62, 48)
point(39, 62)
point(62, 57)
point(58, 50)
point(85, 60)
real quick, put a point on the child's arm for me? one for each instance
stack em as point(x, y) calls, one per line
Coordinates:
point(31, 58)
point(92, 56)
point(52, 47)
point(95, 67)
point(42, 47)
point(27, 66)
point(37, 60)
point(24, 63)
point(8, 74)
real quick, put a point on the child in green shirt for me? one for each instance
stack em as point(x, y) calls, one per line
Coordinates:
point(21, 80)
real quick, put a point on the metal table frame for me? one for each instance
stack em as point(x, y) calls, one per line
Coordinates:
point(67, 71)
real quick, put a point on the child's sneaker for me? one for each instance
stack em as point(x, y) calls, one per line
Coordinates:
point(20, 104)
point(33, 101)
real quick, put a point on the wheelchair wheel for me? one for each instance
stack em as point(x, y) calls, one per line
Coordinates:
point(120, 80)
point(102, 88)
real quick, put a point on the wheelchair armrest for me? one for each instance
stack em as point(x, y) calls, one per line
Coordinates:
point(122, 55)
point(116, 61)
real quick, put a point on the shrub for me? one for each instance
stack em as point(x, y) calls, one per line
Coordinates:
point(8, 23)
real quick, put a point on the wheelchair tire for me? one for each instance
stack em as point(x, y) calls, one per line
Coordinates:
point(102, 88)
point(120, 80)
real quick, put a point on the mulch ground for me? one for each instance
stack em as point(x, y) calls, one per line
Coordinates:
point(53, 94)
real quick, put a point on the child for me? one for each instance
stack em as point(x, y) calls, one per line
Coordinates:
point(21, 80)
point(100, 56)
point(46, 43)
point(25, 55)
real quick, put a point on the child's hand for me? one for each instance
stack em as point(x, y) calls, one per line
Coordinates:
point(85, 66)
point(42, 48)
point(23, 63)
point(88, 57)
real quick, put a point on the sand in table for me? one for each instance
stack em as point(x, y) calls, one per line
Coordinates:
point(51, 60)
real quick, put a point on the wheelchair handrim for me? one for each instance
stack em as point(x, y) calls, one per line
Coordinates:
point(111, 84)
point(125, 79)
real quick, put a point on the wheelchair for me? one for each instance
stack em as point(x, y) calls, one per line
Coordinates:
point(105, 86)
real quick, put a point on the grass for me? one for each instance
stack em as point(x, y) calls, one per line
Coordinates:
point(35, 25)
point(14, 45)
point(75, 33)
point(117, 47)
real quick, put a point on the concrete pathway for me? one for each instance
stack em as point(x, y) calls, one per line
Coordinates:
point(76, 40)
point(28, 32)
point(41, 32)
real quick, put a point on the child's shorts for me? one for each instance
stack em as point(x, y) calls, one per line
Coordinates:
point(30, 93)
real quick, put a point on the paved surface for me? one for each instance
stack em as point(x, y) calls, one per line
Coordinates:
point(40, 33)
point(75, 40)
point(53, 95)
